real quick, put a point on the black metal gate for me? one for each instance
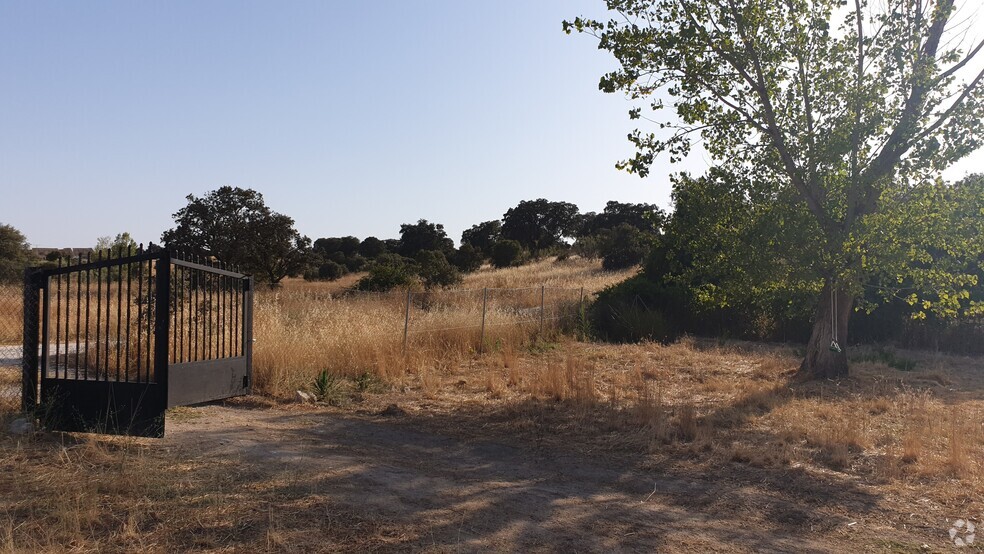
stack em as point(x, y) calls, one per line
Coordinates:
point(118, 339)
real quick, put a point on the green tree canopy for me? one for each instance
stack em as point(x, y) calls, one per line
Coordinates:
point(507, 253)
point(15, 254)
point(468, 258)
point(647, 218)
point(348, 246)
point(483, 235)
point(423, 235)
point(235, 226)
point(435, 270)
point(120, 245)
point(837, 110)
point(539, 224)
point(626, 247)
point(371, 248)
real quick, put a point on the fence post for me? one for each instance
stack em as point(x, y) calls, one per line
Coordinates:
point(248, 330)
point(406, 321)
point(580, 313)
point(32, 328)
point(543, 289)
point(162, 320)
point(485, 302)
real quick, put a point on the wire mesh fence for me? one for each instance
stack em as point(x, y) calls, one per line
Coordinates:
point(11, 345)
point(469, 319)
point(479, 317)
point(490, 313)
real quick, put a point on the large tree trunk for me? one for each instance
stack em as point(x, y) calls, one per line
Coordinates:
point(821, 361)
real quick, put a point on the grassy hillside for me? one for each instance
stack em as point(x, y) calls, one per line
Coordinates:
point(306, 327)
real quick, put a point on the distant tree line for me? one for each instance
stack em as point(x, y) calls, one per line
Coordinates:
point(234, 227)
point(621, 236)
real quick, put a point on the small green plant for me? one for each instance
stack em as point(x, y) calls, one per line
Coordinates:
point(365, 382)
point(582, 323)
point(327, 387)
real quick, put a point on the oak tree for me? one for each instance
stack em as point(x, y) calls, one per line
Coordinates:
point(539, 224)
point(236, 227)
point(15, 254)
point(845, 109)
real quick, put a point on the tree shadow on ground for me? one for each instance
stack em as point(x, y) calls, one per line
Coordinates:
point(555, 475)
point(452, 487)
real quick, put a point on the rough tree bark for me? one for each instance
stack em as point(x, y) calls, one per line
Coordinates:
point(821, 362)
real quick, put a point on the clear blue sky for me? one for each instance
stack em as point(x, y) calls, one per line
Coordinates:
point(351, 117)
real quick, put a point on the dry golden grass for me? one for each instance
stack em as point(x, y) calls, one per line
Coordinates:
point(571, 273)
point(304, 328)
point(11, 314)
point(915, 438)
point(106, 494)
point(696, 409)
point(698, 404)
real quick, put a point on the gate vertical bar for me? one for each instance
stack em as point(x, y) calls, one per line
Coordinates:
point(162, 321)
point(580, 315)
point(248, 331)
point(543, 290)
point(32, 330)
point(45, 284)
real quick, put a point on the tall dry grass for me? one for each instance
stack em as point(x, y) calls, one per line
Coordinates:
point(304, 328)
point(702, 405)
point(11, 314)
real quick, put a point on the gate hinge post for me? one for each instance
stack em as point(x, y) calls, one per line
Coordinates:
point(162, 321)
point(32, 328)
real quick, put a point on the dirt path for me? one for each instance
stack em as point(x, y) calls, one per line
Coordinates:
point(452, 494)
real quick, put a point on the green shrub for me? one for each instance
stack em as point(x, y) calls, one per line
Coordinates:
point(588, 247)
point(355, 263)
point(468, 258)
point(365, 382)
point(638, 309)
point(331, 270)
point(390, 271)
point(435, 270)
point(626, 247)
point(507, 253)
point(329, 388)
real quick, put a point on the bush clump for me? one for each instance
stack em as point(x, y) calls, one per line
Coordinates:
point(331, 270)
point(638, 309)
point(390, 271)
point(626, 247)
point(435, 270)
point(468, 258)
point(507, 253)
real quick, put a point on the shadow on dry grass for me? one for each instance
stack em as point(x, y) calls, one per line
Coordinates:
point(688, 447)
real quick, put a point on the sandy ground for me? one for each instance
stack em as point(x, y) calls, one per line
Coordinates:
point(446, 488)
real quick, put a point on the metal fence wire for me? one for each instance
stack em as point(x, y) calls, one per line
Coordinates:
point(482, 314)
point(486, 313)
point(11, 345)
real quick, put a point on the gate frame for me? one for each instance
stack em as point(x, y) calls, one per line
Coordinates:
point(36, 343)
